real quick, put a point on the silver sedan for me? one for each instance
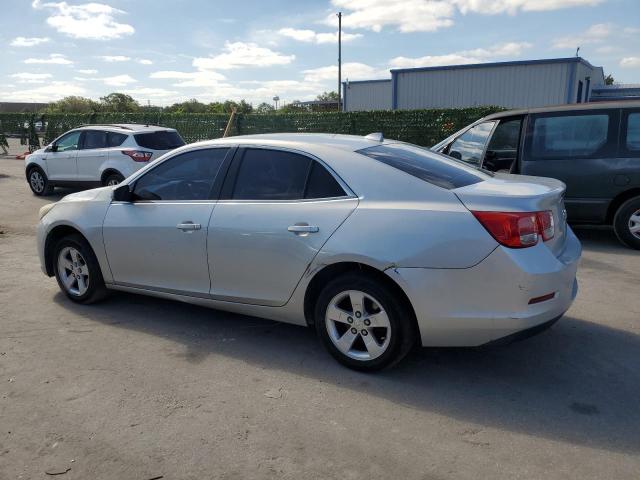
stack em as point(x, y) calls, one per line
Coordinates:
point(379, 245)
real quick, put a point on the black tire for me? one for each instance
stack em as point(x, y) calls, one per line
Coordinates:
point(38, 182)
point(403, 334)
point(622, 223)
point(95, 288)
point(113, 179)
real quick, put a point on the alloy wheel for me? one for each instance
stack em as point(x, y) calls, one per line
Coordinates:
point(358, 325)
point(73, 271)
point(112, 182)
point(634, 224)
point(37, 181)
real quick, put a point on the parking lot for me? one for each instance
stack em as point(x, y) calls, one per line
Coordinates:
point(143, 388)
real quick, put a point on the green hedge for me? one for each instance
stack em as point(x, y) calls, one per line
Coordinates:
point(422, 127)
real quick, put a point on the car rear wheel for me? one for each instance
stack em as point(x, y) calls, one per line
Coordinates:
point(113, 180)
point(39, 182)
point(363, 324)
point(626, 223)
point(77, 270)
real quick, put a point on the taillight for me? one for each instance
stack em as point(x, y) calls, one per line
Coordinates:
point(138, 155)
point(517, 229)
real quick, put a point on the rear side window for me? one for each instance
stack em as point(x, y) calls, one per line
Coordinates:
point(94, 139)
point(115, 139)
point(426, 165)
point(163, 140)
point(633, 132)
point(570, 136)
point(469, 146)
point(271, 175)
point(321, 184)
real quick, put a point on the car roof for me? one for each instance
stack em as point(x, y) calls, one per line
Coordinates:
point(307, 141)
point(131, 128)
point(566, 107)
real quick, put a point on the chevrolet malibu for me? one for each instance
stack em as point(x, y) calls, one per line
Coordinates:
point(379, 245)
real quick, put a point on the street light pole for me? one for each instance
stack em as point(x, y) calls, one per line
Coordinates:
point(339, 61)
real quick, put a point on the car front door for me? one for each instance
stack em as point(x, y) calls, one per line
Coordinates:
point(92, 154)
point(579, 148)
point(470, 146)
point(277, 210)
point(61, 159)
point(158, 241)
point(503, 148)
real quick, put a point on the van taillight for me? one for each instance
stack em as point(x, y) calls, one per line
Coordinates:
point(138, 155)
point(517, 229)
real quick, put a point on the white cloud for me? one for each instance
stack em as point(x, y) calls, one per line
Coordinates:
point(28, 41)
point(240, 54)
point(119, 80)
point(477, 55)
point(46, 93)
point(350, 70)
point(88, 71)
point(630, 62)
point(53, 59)
point(155, 93)
point(95, 21)
point(145, 61)
point(594, 34)
point(200, 78)
point(315, 37)
point(26, 77)
point(115, 58)
point(431, 15)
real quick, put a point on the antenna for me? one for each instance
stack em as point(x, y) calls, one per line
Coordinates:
point(577, 50)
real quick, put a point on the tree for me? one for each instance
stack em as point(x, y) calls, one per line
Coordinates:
point(73, 105)
point(609, 80)
point(264, 108)
point(328, 96)
point(190, 106)
point(241, 107)
point(119, 102)
point(293, 107)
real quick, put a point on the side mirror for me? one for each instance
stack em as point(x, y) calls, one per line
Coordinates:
point(123, 193)
point(51, 148)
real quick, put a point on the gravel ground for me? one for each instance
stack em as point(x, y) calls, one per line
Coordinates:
point(138, 388)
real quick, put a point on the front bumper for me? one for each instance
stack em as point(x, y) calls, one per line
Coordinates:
point(478, 305)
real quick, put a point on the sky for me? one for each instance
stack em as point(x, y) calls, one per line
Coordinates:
point(164, 52)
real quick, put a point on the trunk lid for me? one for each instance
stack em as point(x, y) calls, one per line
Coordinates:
point(518, 193)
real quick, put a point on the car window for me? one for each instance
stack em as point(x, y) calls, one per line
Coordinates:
point(429, 166)
point(321, 183)
point(189, 176)
point(94, 139)
point(469, 146)
point(568, 136)
point(162, 140)
point(115, 139)
point(271, 175)
point(633, 132)
point(68, 142)
point(506, 135)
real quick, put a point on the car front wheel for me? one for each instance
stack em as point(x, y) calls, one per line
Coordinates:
point(39, 182)
point(626, 223)
point(77, 270)
point(363, 324)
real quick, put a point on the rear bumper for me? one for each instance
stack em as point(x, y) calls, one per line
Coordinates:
point(484, 303)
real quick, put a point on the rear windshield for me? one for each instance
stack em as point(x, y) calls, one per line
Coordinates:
point(426, 165)
point(164, 140)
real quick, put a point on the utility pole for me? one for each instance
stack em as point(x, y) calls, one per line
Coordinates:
point(339, 61)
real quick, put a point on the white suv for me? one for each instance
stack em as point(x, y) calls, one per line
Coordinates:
point(95, 155)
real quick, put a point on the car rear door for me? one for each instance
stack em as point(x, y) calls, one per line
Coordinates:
point(159, 240)
point(92, 154)
point(277, 210)
point(61, 164)
point(580, 148)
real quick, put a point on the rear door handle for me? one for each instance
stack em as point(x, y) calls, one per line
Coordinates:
point(188, 226)
point(303, 229)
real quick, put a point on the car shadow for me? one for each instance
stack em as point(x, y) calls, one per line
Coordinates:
point(578, 382)
point(601, 238)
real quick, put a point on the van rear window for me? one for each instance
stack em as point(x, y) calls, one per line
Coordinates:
point(426, 165)
point(163, 140)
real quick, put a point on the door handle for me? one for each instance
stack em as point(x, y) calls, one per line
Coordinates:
point(303, 228)
point(188, 226)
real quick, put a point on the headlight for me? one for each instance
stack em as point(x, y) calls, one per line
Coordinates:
point(46, 209)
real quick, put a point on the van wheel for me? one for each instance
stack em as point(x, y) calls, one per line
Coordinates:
point(113, 180)
point(39, 182)
point(626, 223)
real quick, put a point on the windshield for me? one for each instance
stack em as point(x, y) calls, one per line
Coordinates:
point(163, 140)
point(429, 166)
